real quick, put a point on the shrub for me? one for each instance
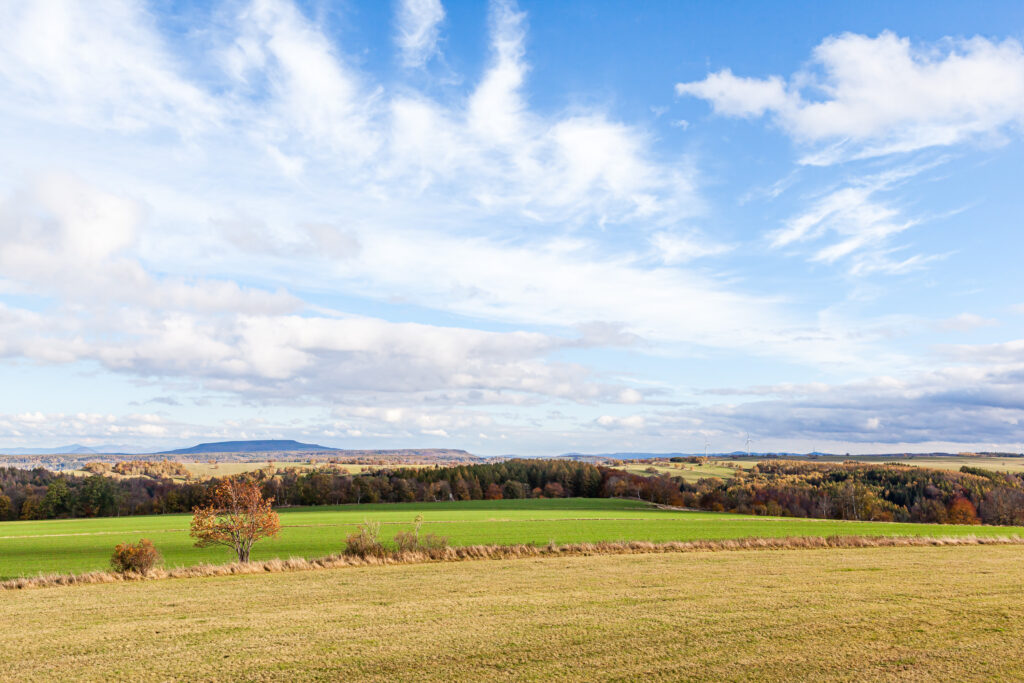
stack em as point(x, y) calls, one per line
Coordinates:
point(365, 542)
point(406, 541)
point(135, 557)
point(413, 541)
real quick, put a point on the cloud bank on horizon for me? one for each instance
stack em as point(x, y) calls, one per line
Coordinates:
point(440, 224)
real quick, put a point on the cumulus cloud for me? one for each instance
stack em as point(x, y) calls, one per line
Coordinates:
point(62, 236)
point(865, 97)
point(968, 404)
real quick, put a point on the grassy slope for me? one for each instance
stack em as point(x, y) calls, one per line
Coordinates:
point(883, 613)
point(28, 548)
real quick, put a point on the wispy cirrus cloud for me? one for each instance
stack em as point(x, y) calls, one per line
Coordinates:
point(418, 30)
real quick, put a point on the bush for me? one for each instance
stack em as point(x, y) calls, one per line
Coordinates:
point(366, 541)
point(406, 541)
point(135, 557)
point(413, 541)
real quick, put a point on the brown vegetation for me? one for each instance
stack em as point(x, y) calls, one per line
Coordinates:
point(138, 557)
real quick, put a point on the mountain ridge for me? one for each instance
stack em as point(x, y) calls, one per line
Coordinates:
point(250, 446)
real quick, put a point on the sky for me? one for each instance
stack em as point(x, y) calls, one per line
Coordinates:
point(529, 228)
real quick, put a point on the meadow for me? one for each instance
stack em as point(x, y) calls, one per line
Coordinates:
point(859, 614)
point(79, 545)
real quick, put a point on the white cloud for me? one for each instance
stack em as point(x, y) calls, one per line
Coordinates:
point(734, 96)
point(278, 186)
point(953, 405)
point(852, 224)
point(964, 322)
point(418, 30)
point(631, 422)
point(315, 101)
point(99, 66)
point(882, 95)
point(674, 248)
point(62, 236)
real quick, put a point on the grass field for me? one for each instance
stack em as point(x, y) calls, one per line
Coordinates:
point(718, 467)
point(208, 470)
point(78, 545)
point(868, 614)
point(938, 462)
point(954, 462)
point(205, 470)
point(723, 469)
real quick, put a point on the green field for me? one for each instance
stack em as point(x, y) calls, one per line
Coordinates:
point(77, 545)
point(947, 613)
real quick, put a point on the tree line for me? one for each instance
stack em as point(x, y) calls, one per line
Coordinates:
point(851, 491)
point(781, 488)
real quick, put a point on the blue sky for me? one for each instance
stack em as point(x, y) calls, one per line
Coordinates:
point(513, 228)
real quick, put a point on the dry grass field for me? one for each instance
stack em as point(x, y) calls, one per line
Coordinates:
point(206, 470)
point(691, 472)
point(866, 614)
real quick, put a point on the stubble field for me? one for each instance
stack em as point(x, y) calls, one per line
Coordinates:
point(932, 613)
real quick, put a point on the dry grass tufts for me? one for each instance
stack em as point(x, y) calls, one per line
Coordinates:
point(502, 552)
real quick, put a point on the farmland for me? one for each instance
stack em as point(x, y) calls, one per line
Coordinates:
point(78, 545)
point(724, 468)
point(879, 613)
point(691, 472)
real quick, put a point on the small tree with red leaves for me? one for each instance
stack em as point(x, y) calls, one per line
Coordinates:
point(237, 517)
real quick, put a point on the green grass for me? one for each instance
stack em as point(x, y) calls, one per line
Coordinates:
point(916, 614)
point(78, 545)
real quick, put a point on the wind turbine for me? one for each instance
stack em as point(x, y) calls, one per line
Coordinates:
point(705, 446)
point(748, 444)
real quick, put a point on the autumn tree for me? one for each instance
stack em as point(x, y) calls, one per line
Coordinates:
point(962, 511)
point(237, 517)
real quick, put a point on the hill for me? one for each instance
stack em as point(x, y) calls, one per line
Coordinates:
point(264, 446)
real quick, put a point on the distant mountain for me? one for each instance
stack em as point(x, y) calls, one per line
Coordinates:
point(265, 446)
point(622, 456)
point(661, 456)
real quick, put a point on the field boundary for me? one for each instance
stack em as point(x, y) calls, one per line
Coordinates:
point(505, 552)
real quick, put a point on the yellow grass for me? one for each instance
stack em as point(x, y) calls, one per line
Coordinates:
point(912, 613)
point(205, 470)
point(722, 469)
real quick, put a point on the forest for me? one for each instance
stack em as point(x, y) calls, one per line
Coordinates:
point(849, 491)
